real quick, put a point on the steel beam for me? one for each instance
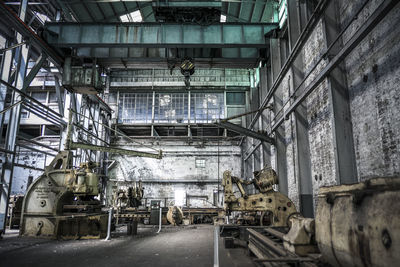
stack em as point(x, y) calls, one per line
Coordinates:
point(59, 96)
point(7, 166)
point(32, 74)
point(190, 4)
point(19, 25)
point(114, 150)
point(241, 130)
point(157, 35)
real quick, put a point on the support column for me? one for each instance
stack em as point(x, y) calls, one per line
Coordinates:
point(346, 171)
point(280, 142)
point(7, 167)
point(302, 153)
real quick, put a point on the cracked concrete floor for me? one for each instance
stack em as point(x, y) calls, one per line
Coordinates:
point(178, 246)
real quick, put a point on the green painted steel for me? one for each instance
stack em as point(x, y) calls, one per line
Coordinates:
point(157, 35)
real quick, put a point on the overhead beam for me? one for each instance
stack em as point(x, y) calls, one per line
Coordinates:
point(157, 35)
point(172, 3)
point(241, 130)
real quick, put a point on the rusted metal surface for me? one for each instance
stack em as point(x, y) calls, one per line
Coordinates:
point(359, 224)
point(61, 204)
point(301, 237)
point(174, 215)
point(267, 245)
point(271, 203)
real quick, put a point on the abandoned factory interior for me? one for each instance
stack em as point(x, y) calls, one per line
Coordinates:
point(226, 133)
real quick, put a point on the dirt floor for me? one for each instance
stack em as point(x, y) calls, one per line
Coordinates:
point(174, 246)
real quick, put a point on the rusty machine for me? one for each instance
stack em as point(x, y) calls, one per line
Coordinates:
point(275, 208)
point(64, 201)
point(355, 225)
point(130, 197)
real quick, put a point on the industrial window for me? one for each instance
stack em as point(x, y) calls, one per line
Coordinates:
point(235, 98)
point(222, 18)
point(135, 107)
point(112, 98)
point(200, 163)
point(171, 107)
point(135, 16)
point(24, 114)
point(53, 97)
point(206, 107)
point(40, 96)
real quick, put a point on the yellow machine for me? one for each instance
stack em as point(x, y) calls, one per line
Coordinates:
point(62, 202)
point(275, 207)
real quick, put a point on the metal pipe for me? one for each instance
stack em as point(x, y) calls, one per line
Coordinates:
point(216, 246)
point(90, 133)
point(38, 113)
point(35, 149)
point(109, 224)
point(12, 47)
point(37, 143)
point(159, 226)
point(24, 95)
point(41, 113)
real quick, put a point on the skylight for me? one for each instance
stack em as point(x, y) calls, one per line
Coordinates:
point(223, 18)
point(135, 16)
point(42, 17)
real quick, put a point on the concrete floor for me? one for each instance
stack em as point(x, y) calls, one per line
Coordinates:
point(174, 246)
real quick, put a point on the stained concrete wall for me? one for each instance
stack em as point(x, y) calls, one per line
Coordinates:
point(177, 170)
point(372, 76)
point(198, 185)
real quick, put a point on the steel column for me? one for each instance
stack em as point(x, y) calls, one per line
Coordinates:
point(13, 124)
point(280, 141)
point(59, 95)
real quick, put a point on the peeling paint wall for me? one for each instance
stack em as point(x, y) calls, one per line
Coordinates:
point(178, 171)
point(372, 75)
point(34, 160)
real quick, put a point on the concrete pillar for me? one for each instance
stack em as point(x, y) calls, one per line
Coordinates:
point(346, 171)
point(302, 154)
point(281, 164)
